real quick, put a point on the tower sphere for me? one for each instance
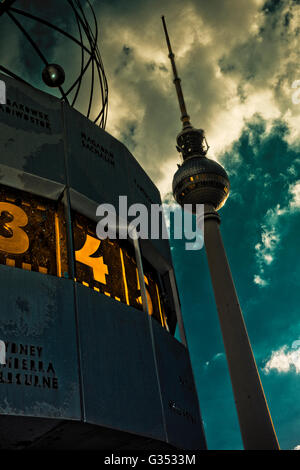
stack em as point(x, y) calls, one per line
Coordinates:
point(200, 180)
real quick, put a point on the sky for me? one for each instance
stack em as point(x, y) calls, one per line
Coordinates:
point(238, 61)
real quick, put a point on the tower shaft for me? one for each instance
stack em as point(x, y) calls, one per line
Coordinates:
point(254, 418)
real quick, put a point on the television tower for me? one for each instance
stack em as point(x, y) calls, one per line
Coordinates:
point(200, 180)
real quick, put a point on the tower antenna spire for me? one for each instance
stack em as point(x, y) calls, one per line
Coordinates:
point(185, 118)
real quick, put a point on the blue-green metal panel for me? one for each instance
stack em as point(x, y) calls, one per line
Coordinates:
point(31, 133)
point(144, 191)
point(180, 401)
point(40, 138)
point(95, 160)
point(101, 168)
point(37, 312)
point(120, 385)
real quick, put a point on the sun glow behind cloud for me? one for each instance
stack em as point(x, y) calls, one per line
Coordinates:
point(224, 43)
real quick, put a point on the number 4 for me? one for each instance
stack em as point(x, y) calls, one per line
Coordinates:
point(84, 256)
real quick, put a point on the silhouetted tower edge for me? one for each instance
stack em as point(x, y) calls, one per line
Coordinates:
point(200, 180)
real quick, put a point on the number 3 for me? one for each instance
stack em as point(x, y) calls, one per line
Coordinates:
point(19, 242)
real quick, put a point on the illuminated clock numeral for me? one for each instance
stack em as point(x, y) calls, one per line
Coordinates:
point(12, 219)
point(84, 256)
point(139, 299)
point(149, 300)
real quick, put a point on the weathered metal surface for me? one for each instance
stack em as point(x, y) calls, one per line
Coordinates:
point(28, 182)
point(102, 169)
point(31, 138)
point(143, 191)
point(83, 205)
point(37, 324)
point(180, 402)
point(32, 232)
point(95, 161)
point(120, 385)
point(54, 345)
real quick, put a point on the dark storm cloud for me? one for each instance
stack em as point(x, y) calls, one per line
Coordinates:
point(269, 57)
point(235, 58)
point(124, 59)
point(22, 58)
point(143, 84)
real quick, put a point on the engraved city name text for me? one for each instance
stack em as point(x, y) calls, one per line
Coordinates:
point(25, 365)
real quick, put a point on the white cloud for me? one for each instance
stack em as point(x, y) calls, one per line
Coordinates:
point(268, 258)
point(215, 358)
point(270, 233)
point(218, 356)
point(284, 360)
point(259, 281)
point(297, 447)
point(228, 124)
point(293, 121)
point(295, 192)
point(270, 238)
